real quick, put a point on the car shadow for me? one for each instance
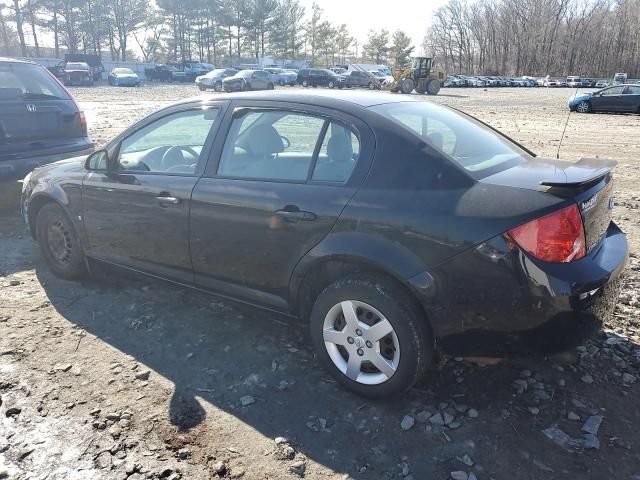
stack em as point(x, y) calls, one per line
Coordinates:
point(216, 352)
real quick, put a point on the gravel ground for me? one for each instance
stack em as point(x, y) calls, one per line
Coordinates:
point(127, 378)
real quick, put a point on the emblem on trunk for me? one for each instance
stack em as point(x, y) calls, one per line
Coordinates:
point(31, 107)
point(589, 204)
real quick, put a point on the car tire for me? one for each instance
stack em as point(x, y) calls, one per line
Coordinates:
point(59, 243)
point(270, 86)
point(371, 86)
point(217, 86)
point(331, 84)
point(202, 89)
point(403, 352)
point(583, 107)
point(305, 84)
point(281, 83)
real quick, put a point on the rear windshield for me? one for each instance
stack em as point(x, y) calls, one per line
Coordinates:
point(469, 143)
point(127, 71)
point(76, 66)
point(32, 82)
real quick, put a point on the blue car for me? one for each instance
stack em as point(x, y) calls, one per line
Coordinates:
point(619, 98)
point(123, 77)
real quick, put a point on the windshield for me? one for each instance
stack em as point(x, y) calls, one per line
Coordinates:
point(28, 81)
point(216, 73)
point(123, 71)
point(469, 143)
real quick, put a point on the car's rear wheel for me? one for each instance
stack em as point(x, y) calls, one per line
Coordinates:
point(270, 86)
point(583, 107)
point(305, 83)
point(331, 84)
point(59, 243)
point(217, 86)
point(371, 336)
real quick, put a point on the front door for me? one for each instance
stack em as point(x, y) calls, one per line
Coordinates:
point(138, 215)
point(284, 176)
point(609, 100)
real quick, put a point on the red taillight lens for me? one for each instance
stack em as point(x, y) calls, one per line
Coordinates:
point(557, 237)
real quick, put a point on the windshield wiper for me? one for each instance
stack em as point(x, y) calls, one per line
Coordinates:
point(34, 95)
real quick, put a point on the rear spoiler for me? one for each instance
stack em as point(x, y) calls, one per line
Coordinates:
point(585, 172)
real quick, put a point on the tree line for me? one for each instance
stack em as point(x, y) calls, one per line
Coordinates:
point(221, 32)
point(537, 37)
point(500, 37)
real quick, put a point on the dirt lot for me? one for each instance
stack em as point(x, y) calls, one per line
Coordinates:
point(120, 378)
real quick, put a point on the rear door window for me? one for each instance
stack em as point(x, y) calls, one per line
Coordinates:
point(339, 154)
point(271, 145)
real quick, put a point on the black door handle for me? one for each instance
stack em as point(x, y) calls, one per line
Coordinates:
point(296, 215)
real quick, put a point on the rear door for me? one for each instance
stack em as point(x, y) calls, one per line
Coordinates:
point(37, 115)
point(631, 99)
point(271, 192)
point(138, 216)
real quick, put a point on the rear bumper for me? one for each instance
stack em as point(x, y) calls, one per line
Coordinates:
point(490, 301)
point(13, 170)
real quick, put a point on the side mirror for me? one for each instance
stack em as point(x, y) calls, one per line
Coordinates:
point(99, 160)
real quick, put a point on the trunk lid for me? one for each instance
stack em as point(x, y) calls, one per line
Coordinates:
point(28, 126)
point(588, 182)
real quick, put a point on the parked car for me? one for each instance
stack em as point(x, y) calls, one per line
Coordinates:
point(160, 73)
point(283, 77)
point(77, 74)
point(123, 77)
point(187, 71)
point(94, 62)
point(382, 239)
point(357, 78)
point(318, 77)
point(588, 82)
point(382, 77)
point(474, 81)
point(214, 79)
point(601, 84)
point(39, 120)
point(338, 70)
point(574, 81)
point(619, 98)
point(248, 80)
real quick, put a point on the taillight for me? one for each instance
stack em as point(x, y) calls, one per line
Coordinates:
point(557, 237)
point(83, 122)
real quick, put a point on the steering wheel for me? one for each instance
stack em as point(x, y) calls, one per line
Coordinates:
point(170, 157)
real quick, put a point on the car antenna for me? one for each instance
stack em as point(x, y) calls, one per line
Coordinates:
point(566, 124)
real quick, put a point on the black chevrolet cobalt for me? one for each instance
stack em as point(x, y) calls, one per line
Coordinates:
point(392, 225)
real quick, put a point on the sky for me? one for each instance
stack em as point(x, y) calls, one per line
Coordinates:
point(360, 16)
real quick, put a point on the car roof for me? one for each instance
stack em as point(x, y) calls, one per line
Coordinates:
point(328, 98)
point(16, 60)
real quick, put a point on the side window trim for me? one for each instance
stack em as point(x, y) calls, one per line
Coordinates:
point(206, 148)
point(317, 148)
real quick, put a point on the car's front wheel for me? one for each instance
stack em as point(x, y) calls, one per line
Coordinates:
point(583, 107)
point(59, 243)
point(371, 335)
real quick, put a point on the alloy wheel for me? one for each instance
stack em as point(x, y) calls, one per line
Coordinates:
point(361, 342)
point(583, 107)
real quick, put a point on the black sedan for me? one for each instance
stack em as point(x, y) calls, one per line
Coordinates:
point(620, 98)
point(246, 80)
point(386, 223)
point(39, 120)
